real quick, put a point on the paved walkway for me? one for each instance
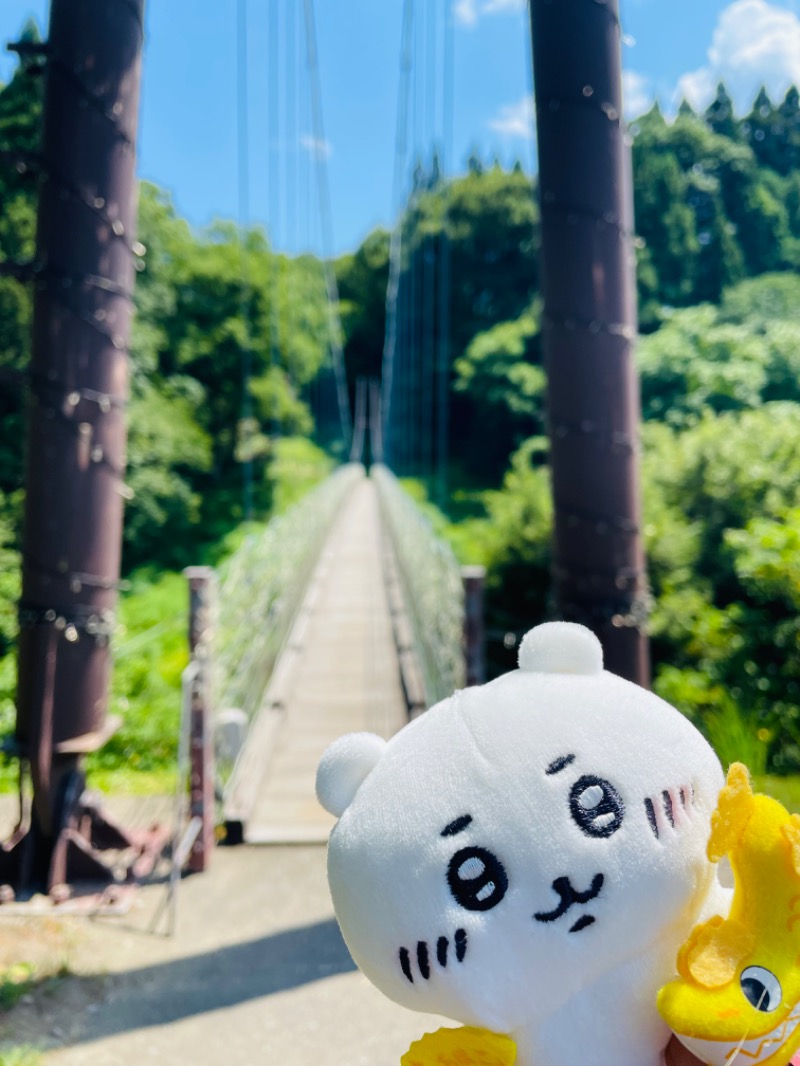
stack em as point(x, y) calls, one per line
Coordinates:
point(347, 678)
point(258, 975)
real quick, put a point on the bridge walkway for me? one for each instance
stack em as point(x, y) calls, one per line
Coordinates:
point(346, 675)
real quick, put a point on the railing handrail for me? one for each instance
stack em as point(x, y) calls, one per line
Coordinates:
point(261, 588)
point(432, 587)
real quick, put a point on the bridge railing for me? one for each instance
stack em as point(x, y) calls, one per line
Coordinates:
point(261, 588)
point(432, 588)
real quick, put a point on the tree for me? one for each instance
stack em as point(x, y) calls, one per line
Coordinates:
point(362, 278)
point(666, 223)
point(501, 372)
point(787, 155)
point(761, 129)
point(719, 114)
point(740, 355)
point(724, 629)
point(20, 130)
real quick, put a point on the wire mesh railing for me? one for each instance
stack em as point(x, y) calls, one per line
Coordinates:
point(432, 588)
point(260, 590)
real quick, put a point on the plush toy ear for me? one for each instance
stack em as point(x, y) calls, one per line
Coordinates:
point(344, 767)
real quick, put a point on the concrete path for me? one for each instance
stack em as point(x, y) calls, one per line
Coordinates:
point(347, 678)
point(258, 975)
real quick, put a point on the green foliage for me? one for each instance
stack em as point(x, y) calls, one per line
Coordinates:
point(362, 279)
point(9, 578)
point(713, 203)
point(739, 355)
point(208, 305)
point(149, 657)
point(485, 226)
point(501, 372)
point(297, 466)
point(15, 982)
point(720, 505)
point(20, 116)
point(20, 1056)
point(511, 537)
point(167, 451)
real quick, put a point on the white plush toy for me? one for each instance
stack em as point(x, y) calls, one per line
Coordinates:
point(528, 855)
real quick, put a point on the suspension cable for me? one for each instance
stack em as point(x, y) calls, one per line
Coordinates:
point(429, 262)
point(445, 281)
point(244, 217)
point(274, 210)
point(395, 248)
point(319, 151)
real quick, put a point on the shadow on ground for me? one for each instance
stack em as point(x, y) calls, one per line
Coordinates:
point(214, 980)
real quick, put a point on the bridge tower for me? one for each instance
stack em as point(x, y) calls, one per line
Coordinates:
point(83, 275)
point(589, 289)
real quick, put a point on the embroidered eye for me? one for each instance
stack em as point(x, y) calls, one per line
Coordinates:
point(596, 806)
point(477, 879)
point(761, 988)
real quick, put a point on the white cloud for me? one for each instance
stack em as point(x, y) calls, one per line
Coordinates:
point(637, 93)
point(493, 7)
point(516, 120)
point(468, 12)
point(318, 148)
point(754, 43)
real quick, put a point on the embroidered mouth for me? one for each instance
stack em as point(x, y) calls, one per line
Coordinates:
point(568, 898)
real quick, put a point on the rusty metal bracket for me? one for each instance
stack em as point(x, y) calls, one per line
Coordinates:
point(91, 852)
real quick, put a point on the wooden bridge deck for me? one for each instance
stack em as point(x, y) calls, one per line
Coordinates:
point(346, 677)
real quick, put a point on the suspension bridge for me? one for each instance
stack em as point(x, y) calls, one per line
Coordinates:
point(346, 612)
point(376, 634)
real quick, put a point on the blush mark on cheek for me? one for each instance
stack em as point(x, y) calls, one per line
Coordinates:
point(680, 817)
point(669, 811)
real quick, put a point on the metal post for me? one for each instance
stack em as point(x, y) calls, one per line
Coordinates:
point(474, 579)
point(590, 325)
point(79, 373)
point(202, 601)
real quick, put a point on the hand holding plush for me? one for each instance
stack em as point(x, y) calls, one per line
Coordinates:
point(528, 855)
point(739, 987)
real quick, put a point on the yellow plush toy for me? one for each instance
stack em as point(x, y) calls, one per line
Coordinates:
point(738, 990)
point(466, 1046)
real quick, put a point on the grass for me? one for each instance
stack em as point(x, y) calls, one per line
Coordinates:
point(784, 789)
point(123, 781)
point(18, 981)
point(23, 1055)
point(15, 982)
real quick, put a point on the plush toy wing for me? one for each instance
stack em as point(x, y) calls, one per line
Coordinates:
point(738, 990)
point(461, 1047)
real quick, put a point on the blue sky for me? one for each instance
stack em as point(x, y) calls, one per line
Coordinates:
point(188, 132)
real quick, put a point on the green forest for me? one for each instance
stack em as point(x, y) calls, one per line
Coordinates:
point(717, 201)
